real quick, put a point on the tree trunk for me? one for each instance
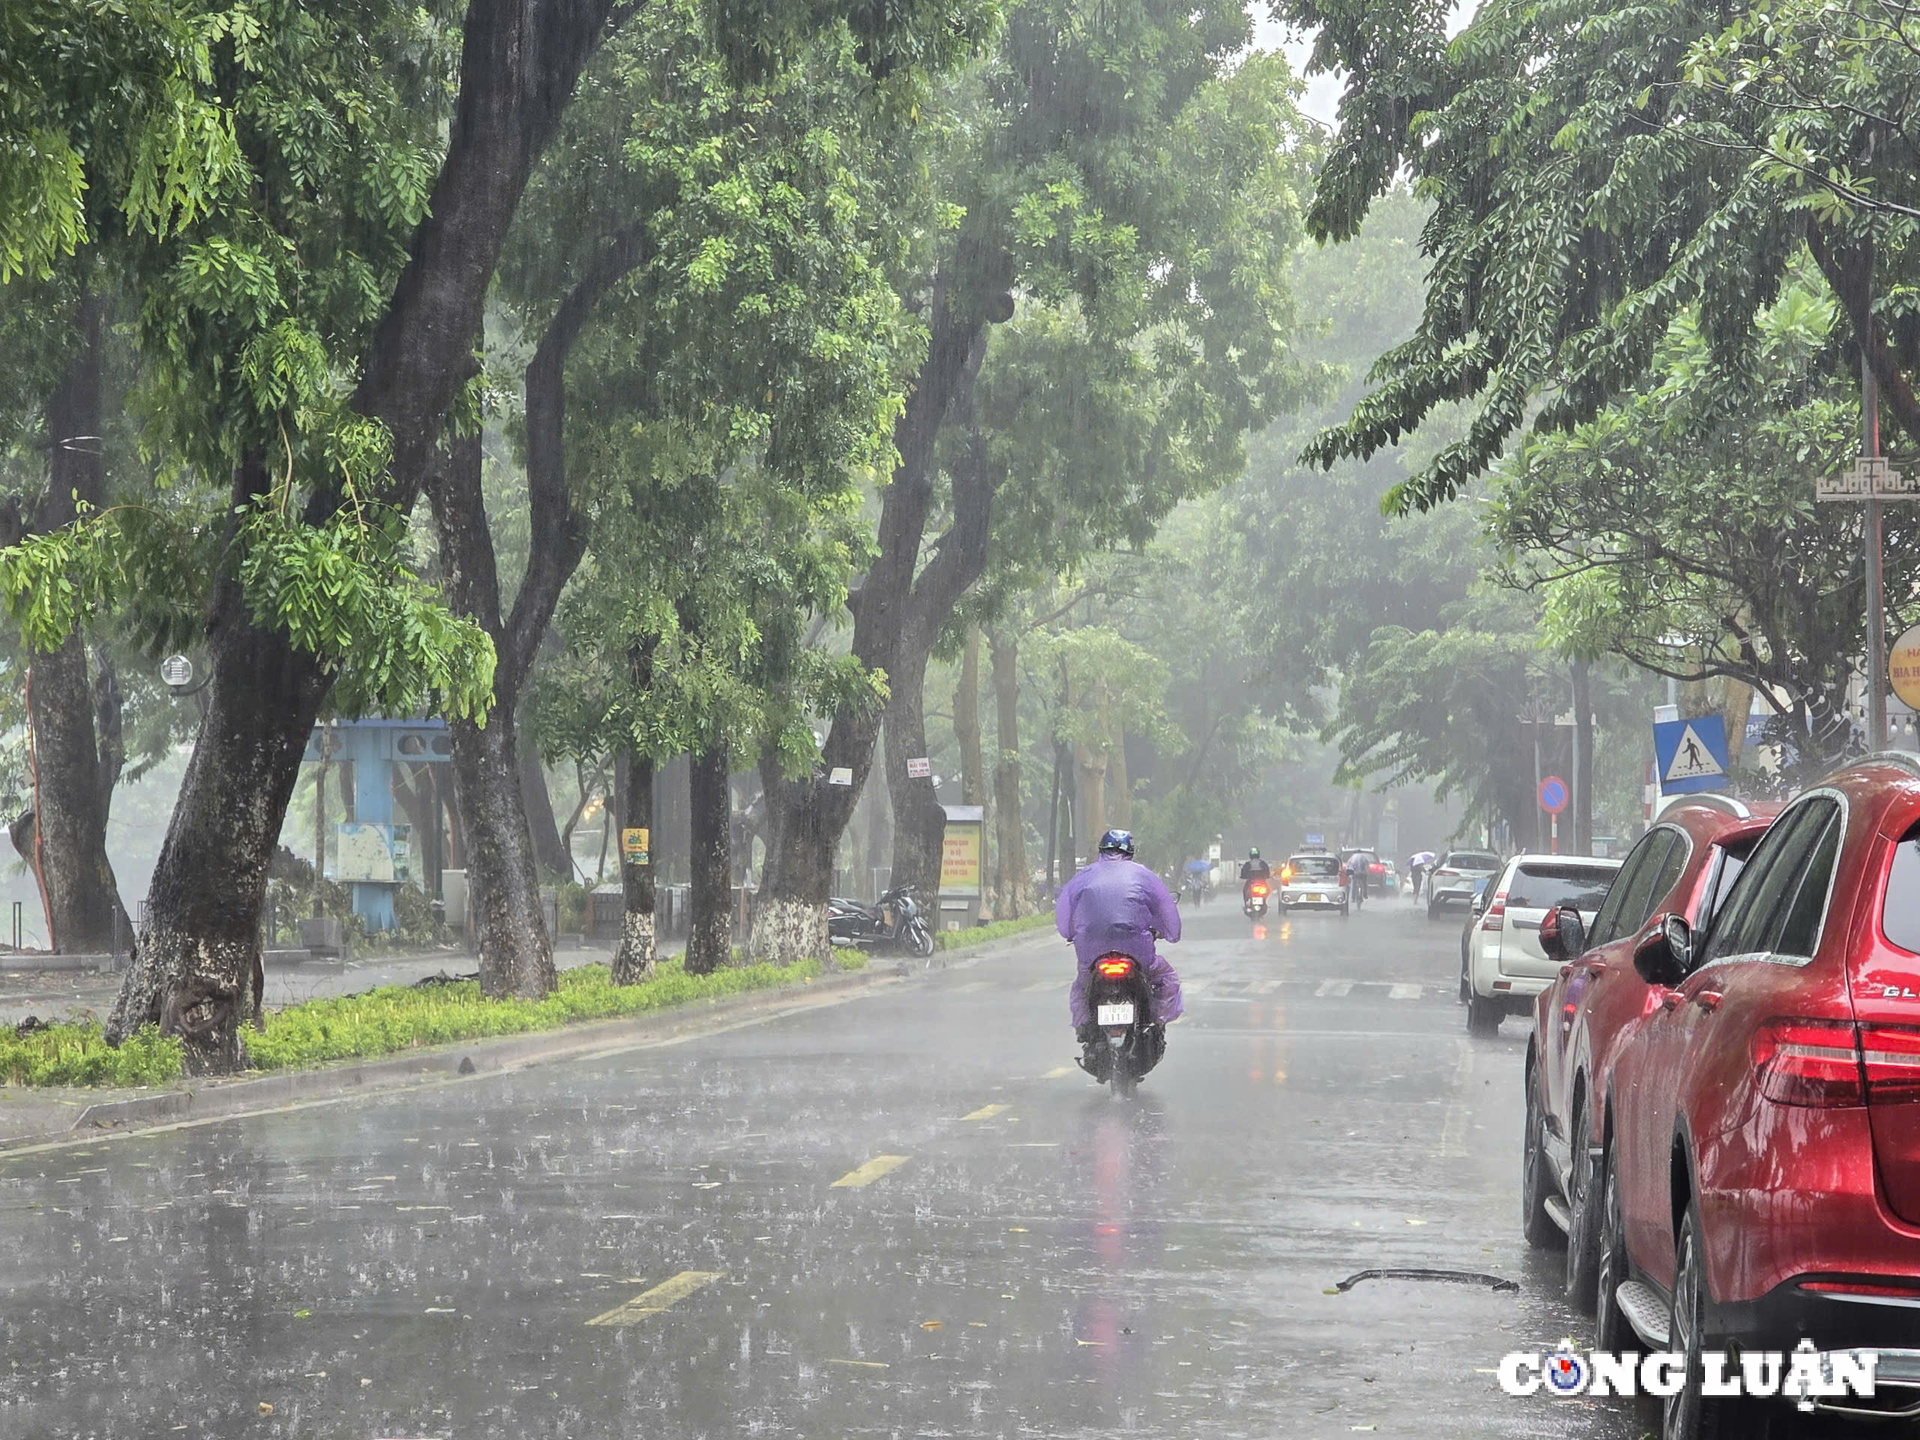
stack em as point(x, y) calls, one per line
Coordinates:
point(633, 959)
point(197, 970)
point(1119, 785)
point(919, 819)
point(549, 845)
point(1010, 851)
point(710, 940)
point(1070, 827)
point(1583, 757)
point(72, 772)
point(966, 722)
point(503, 877)
point(518, 66)
point(1091, 790)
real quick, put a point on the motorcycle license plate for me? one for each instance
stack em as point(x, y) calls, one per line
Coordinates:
point(1115, 1015)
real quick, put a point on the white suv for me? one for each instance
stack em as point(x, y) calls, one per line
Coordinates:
point(1502, 965)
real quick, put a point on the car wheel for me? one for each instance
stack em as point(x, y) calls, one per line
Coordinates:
point(1483, 1016)
point(1687, 1414)
point(1535, 1224)
point(1610, 1328)
point(1584, 1199)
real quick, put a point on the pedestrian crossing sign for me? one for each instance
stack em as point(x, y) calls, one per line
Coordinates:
point(1690, 755)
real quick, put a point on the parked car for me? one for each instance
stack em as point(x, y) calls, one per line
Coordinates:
point(1504, 966)
point(1458, 877)
point(1762, 1159)
point(1311, 881)
point(1684, 865)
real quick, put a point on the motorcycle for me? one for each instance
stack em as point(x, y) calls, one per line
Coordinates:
point(893, 920)
point(1254, 902)
point(1122, 1008)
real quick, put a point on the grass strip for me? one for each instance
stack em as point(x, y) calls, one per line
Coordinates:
point(998, 930)
point(387, 1021)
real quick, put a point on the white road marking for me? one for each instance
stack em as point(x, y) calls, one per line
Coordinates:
point(1404, 992)
point(1334, 988)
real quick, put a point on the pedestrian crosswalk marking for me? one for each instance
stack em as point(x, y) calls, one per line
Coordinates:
point(1333, 988)
point(986, 1112)
point(1263, 987)
point(866, 1174)
point(660, 1298)
point(1404, 992)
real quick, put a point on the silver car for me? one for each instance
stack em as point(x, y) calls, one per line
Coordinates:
point(1312, 882)
point(1460, 875)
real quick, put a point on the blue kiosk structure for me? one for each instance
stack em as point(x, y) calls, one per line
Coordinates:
point(375, 855)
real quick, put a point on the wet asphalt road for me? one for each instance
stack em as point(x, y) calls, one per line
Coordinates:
point(1026, 1257)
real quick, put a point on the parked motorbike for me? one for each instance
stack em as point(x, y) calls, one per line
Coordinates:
point(1254, 902)
point(1122, 1008)
point(893, 921)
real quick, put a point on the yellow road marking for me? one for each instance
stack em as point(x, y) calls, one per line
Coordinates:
point(861, 1364)
point(660, 1298)
point(986, 1112)
point(871, 1171)
point(1058, 1071)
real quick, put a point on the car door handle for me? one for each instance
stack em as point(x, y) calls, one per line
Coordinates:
point(1709, 999)
point(1596, 968)
point(1671, 1000)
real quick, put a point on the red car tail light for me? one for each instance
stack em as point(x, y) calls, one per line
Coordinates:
point(1890, 1056)
point(1496, 912)
point(1115, 968)
point(1808, 1062)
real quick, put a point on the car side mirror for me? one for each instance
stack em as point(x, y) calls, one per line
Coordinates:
point(1479, 901)
point(1563, 934)
point(1665, 956)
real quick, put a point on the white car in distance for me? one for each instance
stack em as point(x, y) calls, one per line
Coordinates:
point(1502, 964)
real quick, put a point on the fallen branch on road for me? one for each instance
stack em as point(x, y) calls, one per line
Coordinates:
point(1455, 1277)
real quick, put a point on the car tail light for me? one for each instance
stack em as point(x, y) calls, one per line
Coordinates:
point(1286, 874)
point(1496, 912)
point(1378, 869)
point(1446, 874)
point(1808, 1062)
point(1115, 968)
point(1890, 1057)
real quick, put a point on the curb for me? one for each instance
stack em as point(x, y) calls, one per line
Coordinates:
point(229, 1099)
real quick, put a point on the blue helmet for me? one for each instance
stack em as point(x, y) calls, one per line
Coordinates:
point(1117, 842)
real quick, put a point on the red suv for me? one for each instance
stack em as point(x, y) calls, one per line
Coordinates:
point(1682, 866)
point(1762, 1162)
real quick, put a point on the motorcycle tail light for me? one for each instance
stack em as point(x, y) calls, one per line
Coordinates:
point(1890, 1056)
point(1808, 1062)
point(1118, 967)
point(1260, 887)
point(1496, 912)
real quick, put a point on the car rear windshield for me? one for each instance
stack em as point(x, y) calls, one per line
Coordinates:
point(1472, 860)
point(1315, 867)
point(1541, 887)
point(1900, 912)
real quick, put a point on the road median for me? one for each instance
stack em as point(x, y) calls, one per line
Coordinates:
point(33, 1115)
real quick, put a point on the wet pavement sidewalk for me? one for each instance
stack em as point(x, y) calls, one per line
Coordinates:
point(83, 994)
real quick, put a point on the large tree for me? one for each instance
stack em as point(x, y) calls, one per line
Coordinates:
point(1126, 178)
point(317, 225)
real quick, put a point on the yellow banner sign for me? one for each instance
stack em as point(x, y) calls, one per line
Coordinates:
point(960, 860)
point(633, 846)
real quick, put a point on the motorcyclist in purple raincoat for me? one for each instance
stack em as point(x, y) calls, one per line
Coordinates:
point(1117, 906)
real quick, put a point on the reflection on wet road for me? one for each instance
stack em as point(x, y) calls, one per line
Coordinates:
point(904, 1215)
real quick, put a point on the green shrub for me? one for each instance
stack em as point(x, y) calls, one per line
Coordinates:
point(77, 1055)
point(383, 1022)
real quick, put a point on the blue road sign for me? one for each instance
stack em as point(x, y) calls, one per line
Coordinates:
point(1690, 755)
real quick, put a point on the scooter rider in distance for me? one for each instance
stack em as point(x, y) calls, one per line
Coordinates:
point(1116, 906)
point(1254, 868)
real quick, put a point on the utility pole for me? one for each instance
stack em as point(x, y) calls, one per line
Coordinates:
point(1876, 579)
